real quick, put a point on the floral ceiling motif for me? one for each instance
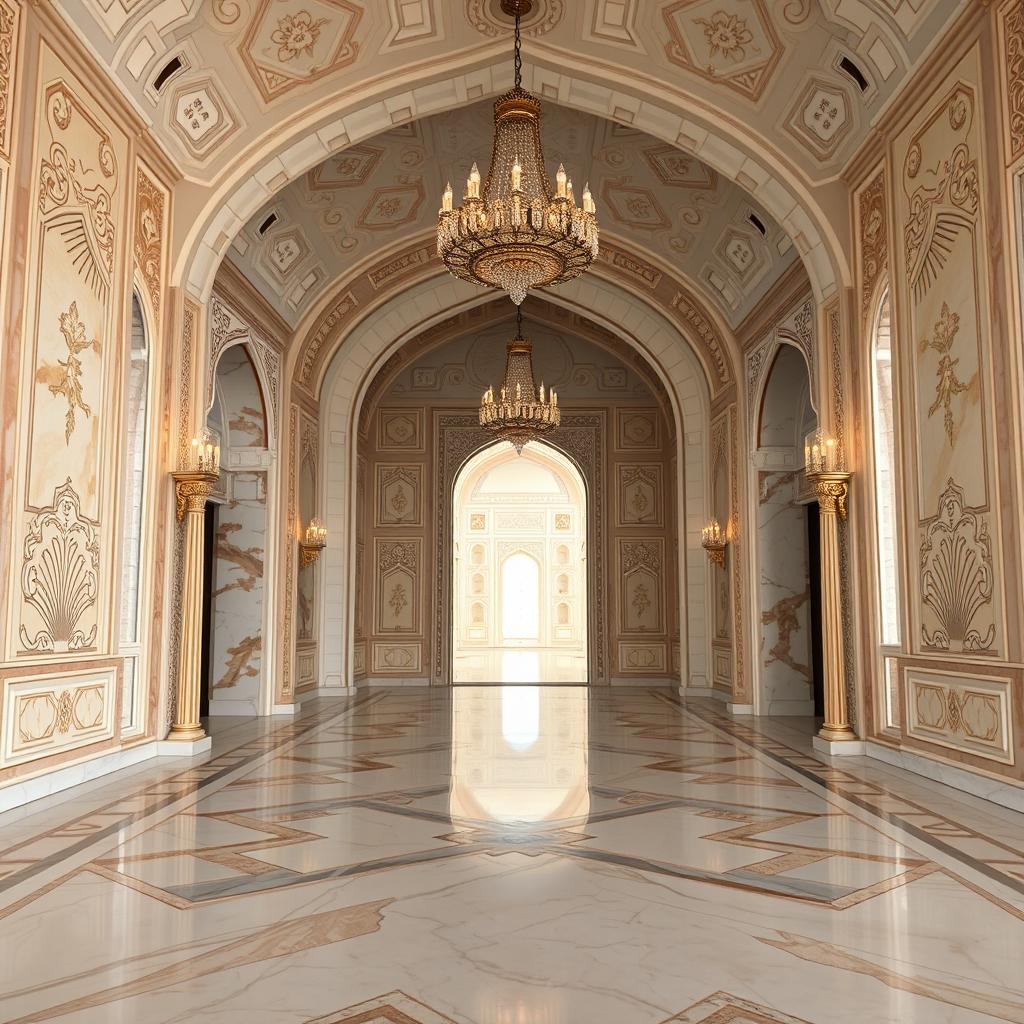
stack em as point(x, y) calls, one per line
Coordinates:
point(378, 193)
point(289, 43)
point(738, 48)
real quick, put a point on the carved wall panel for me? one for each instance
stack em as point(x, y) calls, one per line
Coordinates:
point(399, 495)
point(398, 565)
point(640, 495)
point(973, 715)
point(49, 713)
point(10, 14)
point(400, 430)
point(945, 369)
point(641, 572)
point(68, 425)
point(636, 430)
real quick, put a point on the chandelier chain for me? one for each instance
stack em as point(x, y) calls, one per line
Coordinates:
point(518, 53)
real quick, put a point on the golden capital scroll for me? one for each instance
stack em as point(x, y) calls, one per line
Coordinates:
point(191, 492)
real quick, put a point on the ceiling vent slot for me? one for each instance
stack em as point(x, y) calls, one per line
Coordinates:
point(848, 67)
point(167, 72)
point(758, 223)
point(267, 225)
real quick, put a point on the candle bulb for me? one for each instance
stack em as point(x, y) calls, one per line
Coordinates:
point(560, 181)
point(446, 199)
point(473, 183)
point(542, 392)
point(588, 200)
point(517, 175)
point(568, 192)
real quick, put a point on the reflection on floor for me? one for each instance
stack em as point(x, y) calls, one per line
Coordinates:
point(519, 665)
point(512, 855)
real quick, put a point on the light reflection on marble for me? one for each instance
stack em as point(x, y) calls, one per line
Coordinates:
point(502, 855)
point(519, 665)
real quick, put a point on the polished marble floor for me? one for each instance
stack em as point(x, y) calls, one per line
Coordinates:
point(512, 855)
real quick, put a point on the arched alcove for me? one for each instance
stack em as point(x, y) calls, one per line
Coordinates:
point(522, 510)
point(789, 674)
point(421, 425)
point(236, 592)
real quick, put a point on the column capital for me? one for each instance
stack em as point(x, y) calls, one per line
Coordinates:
point(191, 491)
point(831, 490)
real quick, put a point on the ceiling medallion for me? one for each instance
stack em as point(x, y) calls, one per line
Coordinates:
point(514, 233)
point(519, 413)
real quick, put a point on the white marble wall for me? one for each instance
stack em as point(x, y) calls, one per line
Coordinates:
point(785, 652)
point(237, 638)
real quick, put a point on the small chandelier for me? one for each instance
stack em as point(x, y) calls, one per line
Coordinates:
point(520, 412)
point(515, 234)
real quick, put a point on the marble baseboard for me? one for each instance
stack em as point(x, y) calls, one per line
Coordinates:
point(838, 748)
point(700, 691)
point(23, 791)
point(984, 786)
point(739, 709)
point(286, 709)
point(335, 691)
point(395, 681)
point(184, 748)
point(647, 681)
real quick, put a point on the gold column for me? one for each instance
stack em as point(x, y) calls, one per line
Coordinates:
point(831, 489)
point(192, 491)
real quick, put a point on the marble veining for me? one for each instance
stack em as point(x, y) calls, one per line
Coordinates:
point(513, 855)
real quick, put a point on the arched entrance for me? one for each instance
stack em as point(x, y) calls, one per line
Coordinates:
point(519, 578)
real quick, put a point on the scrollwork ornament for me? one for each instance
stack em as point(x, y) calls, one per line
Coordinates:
point(192, 490)
point(60, 573)
point(1013, 34)
point(957, 579)
point(831, 492)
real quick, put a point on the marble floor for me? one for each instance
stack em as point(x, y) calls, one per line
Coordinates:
point(512, 855)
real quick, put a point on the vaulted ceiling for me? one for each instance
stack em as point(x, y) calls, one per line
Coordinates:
point(379, 193)
point(809, 74)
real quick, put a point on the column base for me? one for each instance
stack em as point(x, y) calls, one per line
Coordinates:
point(286, 709)
point(739, 709)
point(846, 746)
point(184, 747)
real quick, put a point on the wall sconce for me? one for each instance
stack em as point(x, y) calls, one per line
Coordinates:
point(823, 454)
point(194, 482)
point(713, 539)
point(314, 541)
point(203, 457)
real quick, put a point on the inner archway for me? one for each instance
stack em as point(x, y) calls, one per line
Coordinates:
point(519, 580)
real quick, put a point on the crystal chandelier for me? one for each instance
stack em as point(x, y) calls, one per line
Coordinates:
point(519, 413)
point(515, 234)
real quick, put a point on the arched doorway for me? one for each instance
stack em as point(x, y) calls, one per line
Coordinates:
point(789, 669)
point(519, 579)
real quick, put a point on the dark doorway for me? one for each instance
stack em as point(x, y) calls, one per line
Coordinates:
point(209, 544)
point(814, 579)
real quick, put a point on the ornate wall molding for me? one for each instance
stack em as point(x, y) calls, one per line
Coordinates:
point(1013, 56)
point(671, 296)
point(9, 18)
point(229, 327)
point(148, 236)
point(873, 232)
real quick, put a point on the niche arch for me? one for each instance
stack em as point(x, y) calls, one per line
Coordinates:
point(522, 510)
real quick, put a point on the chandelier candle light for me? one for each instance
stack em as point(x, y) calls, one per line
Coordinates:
point(314, 541)
point(520, 412)
point(514, 233)
point(713, 539)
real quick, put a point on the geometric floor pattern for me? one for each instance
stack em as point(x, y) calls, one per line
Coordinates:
point(512, 855)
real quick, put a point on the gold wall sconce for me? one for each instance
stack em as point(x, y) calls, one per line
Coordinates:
point(713, 539)
point(313, 542)
point(825, 466)
point(196, 479)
